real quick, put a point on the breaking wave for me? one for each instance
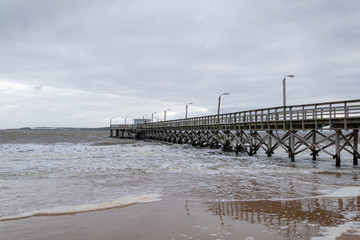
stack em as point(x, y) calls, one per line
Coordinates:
point(64, 210)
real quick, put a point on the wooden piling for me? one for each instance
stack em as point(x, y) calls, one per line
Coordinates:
point(251, 147)
point(269, 145)
point(356, 144)
point(292, 146)
point(337, 147)
point(314, 152)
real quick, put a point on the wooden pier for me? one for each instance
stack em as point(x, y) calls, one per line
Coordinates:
point(313, 127)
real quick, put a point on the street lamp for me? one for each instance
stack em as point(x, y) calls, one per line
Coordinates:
point(187, 109)
point(284, 88)
point(125, 119)
point(152, 116)
point(220, 101)
point(165, 113)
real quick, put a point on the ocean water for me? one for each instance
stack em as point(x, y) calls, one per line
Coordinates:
point(58, 172)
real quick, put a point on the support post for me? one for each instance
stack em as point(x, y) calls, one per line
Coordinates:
point(251, 147)
point(337, 146)
point(254, 142)
point(356, 143)
point(241, 149)
point(111, 133)
point(314, 152)
point(292, 146)
point(237, 147)
point(269, 151)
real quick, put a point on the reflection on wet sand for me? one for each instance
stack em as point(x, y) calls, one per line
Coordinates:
point(292, 218)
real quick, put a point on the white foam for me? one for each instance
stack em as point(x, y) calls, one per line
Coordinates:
point(63, 210)
point(344, 192)
point(332, 233)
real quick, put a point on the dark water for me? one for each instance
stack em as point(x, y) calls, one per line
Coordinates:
point(42, 170)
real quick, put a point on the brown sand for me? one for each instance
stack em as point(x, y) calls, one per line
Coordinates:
point(165, 219)
point(150, 221)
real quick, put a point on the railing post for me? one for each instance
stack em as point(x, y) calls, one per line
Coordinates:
point(345, 116)
point(303, 118)
point(316, 114)
point(276, 119)
point(291, 119)
point(330, 115)
point(284, 118)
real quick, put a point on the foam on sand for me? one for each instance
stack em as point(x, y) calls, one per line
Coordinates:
point(344, 193)
point(332, 233)
point(63, 210)
point(351, 227)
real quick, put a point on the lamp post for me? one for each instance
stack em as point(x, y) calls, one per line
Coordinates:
point(220, 101)
point(165, 113)
point(152, 116)
point(125, 119)
point(284, 88)
point(187, 109)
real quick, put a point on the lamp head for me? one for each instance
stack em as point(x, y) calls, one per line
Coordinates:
point(291, 75)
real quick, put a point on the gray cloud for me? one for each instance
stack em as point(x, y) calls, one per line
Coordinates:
point(78, 63)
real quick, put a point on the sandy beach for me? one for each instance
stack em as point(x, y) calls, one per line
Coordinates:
point(151, 221)
point(165, 219)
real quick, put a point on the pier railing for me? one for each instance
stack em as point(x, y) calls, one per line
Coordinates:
point(126, 126)
point(329, 115)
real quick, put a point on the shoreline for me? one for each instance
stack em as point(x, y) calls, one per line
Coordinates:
point(165, 219)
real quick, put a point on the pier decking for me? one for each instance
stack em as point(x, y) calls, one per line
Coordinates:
point(315, 127)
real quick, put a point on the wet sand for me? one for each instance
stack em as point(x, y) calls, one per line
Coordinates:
point(151, 221)
point(165, 219)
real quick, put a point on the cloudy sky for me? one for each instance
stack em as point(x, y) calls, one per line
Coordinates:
point(76, 63)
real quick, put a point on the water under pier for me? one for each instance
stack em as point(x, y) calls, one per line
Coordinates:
point(330, 127)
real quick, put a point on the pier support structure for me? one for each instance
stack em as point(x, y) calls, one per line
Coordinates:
point(292, 142)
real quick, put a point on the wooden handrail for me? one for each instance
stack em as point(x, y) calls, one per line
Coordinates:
point(318, 111)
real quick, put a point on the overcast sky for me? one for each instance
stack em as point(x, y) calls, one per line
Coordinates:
point(75, 63)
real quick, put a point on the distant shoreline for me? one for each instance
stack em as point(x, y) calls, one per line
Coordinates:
point(60, 129)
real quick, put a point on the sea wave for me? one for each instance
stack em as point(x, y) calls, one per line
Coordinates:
point(344, 192)
point(65, 210)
